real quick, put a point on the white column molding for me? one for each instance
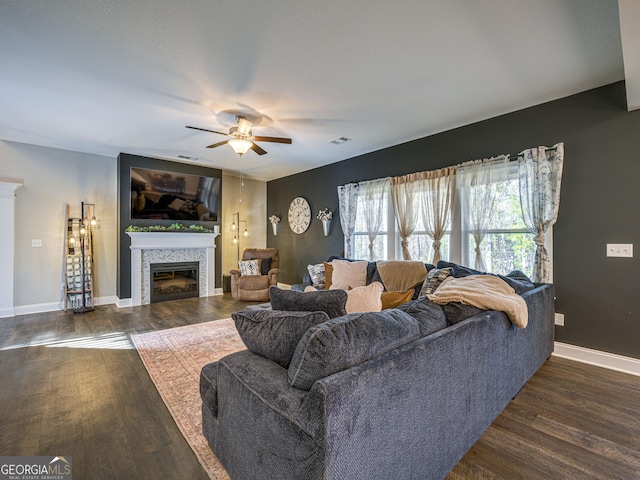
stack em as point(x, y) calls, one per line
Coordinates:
point(7, 244)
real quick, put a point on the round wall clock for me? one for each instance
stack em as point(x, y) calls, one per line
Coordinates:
point(299, 215)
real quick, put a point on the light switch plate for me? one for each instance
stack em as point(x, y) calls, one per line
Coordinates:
point(619, 249)
point(36, 243)
point(559, 319)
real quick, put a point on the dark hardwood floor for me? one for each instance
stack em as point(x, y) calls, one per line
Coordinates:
point(73, 385)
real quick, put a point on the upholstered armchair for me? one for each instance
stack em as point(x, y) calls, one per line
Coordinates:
point(255, 288)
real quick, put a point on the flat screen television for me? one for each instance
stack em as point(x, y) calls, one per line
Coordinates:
point(162, 195)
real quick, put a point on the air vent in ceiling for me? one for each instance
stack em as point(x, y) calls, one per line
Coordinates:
point(340, 140)
point(187, 157)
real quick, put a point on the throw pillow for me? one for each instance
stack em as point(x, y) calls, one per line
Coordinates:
point(341, 343)
point(395, 299)
point(365, 299)
point(316, 272)
point(434, 278)
point(332, 302)
point(275, 334)
point(349, 274)
point(249, 267)
point(264, 265)
point(328, 275)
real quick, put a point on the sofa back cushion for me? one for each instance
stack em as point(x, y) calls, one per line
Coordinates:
point(332, 302)
point(343, 342)
point(275, 334)
point(429, 315)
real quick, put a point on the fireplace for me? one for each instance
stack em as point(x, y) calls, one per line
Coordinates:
point(173, 281)
point(148, 248)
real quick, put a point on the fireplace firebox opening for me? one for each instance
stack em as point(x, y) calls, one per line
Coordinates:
point(173, 281)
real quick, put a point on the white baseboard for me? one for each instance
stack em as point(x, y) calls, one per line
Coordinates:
point(7, 312)
point(598, 358)
point(123, 302)
point(53, 306)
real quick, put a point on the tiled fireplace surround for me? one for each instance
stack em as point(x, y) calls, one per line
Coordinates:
point(166, 247)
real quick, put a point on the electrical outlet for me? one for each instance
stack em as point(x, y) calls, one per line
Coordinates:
point(619, 249)
point(560, 319)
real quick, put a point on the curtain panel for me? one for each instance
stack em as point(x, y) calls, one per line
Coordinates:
point(373, 194)
point(348, 203)
point(477, 181)
point(540, 175)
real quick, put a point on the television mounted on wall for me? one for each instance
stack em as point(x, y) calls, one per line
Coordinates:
point(163, 195)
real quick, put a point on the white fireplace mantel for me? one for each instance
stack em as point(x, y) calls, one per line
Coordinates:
point(170, 241)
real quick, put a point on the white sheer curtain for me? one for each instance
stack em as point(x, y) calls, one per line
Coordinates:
point(373, 194)
point(540, 173)
point(477, 181)
point(402, 193)
point(348, 203)
point(436, 190)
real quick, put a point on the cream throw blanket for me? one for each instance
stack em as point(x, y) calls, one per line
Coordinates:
point(400, 275)
point(486, 292)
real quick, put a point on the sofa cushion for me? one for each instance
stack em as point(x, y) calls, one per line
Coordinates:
point(348, 274)
point(395, 299)
point(343, 342)
point(458, 271)
point(456, 312)
point(332, 302)
point(429, 315)
point(518, 281)
point(275, 334)
point(433, 280)
point(365, 299)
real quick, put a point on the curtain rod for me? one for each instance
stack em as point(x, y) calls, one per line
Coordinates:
point(515, 157)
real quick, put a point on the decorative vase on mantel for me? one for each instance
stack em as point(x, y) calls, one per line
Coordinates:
point(326, 224)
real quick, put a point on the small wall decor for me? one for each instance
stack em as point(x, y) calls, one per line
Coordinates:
point(325, 216)
point(299, 215)
point(275, 221)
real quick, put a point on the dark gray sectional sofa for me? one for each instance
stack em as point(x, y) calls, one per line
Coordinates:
point(398, 394)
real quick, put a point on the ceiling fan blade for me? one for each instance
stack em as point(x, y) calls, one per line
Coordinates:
point(205, 130)
point(259, 150)
point(272, 139)
point(244, 126)
point(218, 144)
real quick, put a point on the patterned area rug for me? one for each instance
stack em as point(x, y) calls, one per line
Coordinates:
point(173, 359)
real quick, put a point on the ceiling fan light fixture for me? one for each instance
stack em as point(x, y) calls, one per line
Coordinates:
point(240, 146)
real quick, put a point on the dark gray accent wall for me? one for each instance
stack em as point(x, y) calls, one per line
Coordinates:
point(599, 204)
point(125, 162)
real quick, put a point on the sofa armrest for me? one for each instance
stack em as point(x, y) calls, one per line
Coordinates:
point(263, 379)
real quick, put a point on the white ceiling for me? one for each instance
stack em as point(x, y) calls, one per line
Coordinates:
point(114, 76)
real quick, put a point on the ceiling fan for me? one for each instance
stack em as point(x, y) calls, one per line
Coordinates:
point(242, 139)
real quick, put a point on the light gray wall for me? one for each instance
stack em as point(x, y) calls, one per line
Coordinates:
point(253, 210)
point(52, 178)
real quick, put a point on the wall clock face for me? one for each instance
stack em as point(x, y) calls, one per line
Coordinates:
point(299, 215)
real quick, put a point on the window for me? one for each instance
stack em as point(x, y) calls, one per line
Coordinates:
point(375, 220)
point(507, 244)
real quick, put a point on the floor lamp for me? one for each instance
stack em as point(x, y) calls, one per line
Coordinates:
point(236, 231)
